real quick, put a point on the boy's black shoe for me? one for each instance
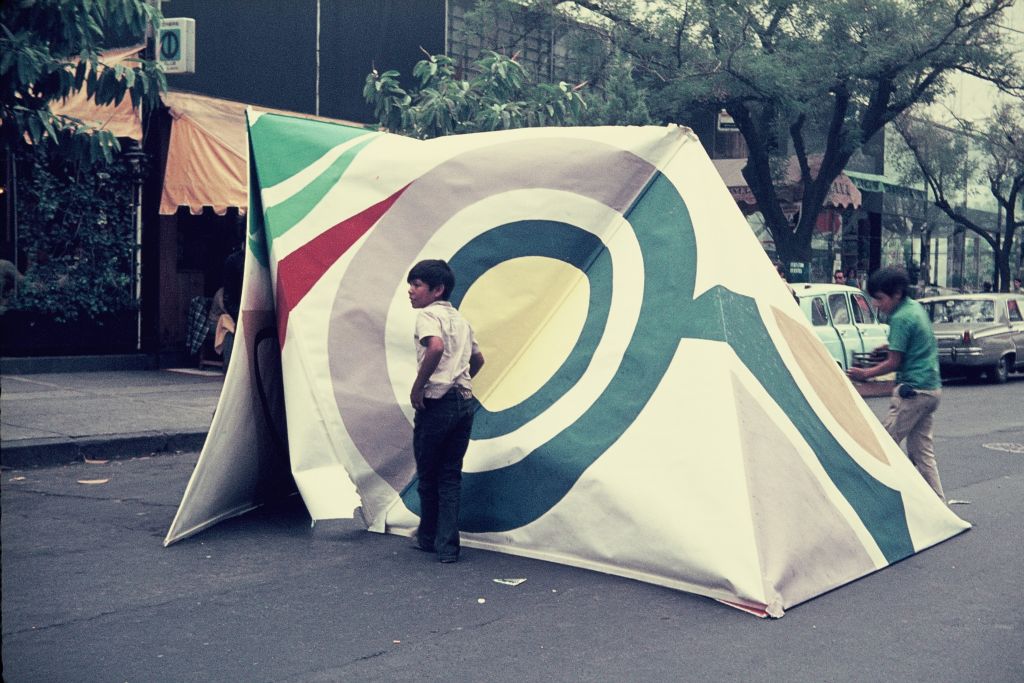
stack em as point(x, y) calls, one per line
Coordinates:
point(449, 559)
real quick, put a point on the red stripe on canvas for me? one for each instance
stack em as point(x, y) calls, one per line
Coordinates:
point(300, 270)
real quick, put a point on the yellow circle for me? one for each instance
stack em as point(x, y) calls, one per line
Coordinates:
point(527, 314)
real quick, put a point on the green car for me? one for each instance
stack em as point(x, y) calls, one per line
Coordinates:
point(844, 320)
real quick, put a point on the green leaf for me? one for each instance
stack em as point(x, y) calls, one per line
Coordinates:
point(45, 119)
point(35, 129)
point(80, 71)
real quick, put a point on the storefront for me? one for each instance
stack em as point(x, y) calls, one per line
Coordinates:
point(194, 199)
point(834, 243)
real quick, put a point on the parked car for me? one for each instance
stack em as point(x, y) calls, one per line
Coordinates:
point(921, 292)
point(844, 321)
point(978, 333)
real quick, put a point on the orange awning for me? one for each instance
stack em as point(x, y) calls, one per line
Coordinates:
point(843, 193)
point(206, 157)
point(123, 120)
point(208, 153)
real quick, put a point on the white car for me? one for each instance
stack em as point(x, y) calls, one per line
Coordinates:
point(844, 320)
point(978, 333)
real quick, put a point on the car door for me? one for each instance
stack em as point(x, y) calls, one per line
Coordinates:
point(1015, 311)
point(842, 320)
point(817, 311)
point(872, 333)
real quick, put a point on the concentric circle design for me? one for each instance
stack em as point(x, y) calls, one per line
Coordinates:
point(645, 203)
point(530, 341)
point(375, 422)
point(576, 247)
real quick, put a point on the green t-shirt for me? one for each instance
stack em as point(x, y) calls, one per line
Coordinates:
point(910, 333)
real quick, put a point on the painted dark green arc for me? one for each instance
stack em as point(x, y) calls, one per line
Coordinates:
point(289, 144)
point(555, 240)
point(513, 496)
point(257, 231)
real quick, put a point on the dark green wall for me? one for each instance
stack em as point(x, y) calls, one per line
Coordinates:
point(264, 51)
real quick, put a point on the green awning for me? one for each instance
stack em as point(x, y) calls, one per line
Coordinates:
point(871, 182)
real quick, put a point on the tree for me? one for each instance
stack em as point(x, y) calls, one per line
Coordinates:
point(500, 96)
point(566, 50)
point(615, 98)
point(949, 166)
point(51, 48)
point(76, 234)
point(799, 77)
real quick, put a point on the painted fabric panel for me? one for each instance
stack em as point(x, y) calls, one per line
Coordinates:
point(653, 405)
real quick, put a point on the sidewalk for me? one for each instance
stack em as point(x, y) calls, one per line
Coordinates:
point(57, 418)
point(62, 417)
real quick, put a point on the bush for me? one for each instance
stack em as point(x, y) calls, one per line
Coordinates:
point(76, 230)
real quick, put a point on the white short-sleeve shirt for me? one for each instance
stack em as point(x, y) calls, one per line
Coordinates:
point(441, 319)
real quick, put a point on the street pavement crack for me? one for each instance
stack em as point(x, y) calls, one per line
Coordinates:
point(62, 624)
point(78, 496)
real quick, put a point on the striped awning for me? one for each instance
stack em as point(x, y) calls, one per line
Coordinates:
point(842, 195)
point(208, 153)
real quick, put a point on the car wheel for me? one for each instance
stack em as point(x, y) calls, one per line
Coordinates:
point(997, 373)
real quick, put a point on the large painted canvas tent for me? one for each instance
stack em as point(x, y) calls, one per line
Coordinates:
point(654, 405)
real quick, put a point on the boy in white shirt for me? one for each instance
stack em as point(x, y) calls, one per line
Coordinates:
point(448, 358)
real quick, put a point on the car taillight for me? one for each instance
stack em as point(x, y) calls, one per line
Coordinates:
point(967, 338)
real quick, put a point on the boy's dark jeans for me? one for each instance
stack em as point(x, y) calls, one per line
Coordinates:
point(439, 441)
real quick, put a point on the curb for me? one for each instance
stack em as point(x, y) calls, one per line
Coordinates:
point(33, 365)
point(55, 452)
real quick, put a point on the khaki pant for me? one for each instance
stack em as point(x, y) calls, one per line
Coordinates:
point(911, 419)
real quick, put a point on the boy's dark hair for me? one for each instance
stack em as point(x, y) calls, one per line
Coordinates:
point(891, 280)
point(434, 272)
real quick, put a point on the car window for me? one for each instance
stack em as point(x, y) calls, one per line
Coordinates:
point(861, 310)
point(818, 315)
point(1014, 309)
point(840, 311)
point(963, 311)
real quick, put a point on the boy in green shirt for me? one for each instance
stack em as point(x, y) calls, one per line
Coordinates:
point(914, 356)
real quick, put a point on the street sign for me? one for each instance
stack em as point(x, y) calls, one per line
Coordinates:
point(176, 45)
point(726, 122)
point(799, 271)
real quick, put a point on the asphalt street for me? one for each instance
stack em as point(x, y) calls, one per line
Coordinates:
point(90, 593)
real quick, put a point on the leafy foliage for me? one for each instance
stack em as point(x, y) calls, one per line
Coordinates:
point(956, 160)
point(77, 231)
point(500, 96)
point(800, 78)
point(616, 99)
point(570, 52)
point(51, 48)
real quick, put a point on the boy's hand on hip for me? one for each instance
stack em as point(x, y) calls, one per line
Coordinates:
point(416, 396)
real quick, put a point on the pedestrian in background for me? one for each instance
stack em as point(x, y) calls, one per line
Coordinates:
point(234, 267)
point(448, 357)
point(913, 355)
point(781, 270)
point(10, 277)
point(839, 277)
